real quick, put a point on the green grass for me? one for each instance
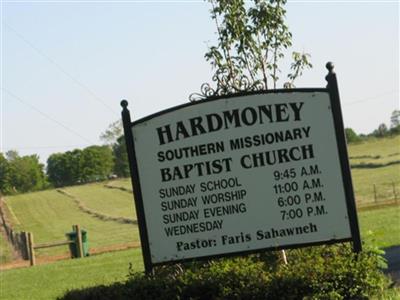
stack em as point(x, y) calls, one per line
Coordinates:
point(53, 280)
point(121, 182)
point(380, 227)
point(5, 250)
point(108, 201)
point(383, 178)
point(388, 150)
point(49, 215)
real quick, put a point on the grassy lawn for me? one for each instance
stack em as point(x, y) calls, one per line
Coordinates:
point(110, 202)
point(377, 151)
point(383, 178)
point(49, 215)
point(50, 281)
point(122, 182)
point(380, 227)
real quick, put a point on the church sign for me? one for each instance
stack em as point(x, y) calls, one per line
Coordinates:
point(240, 174)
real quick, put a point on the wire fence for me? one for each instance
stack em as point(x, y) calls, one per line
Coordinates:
point(379, 195)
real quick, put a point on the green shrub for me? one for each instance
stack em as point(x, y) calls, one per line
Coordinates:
point(237, 278)
point(325, 272)
point(335, 272)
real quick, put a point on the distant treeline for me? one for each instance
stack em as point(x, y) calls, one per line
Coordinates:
point(19, 174)
point(381, 132)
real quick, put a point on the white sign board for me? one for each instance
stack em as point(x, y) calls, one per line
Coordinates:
point(240, 174)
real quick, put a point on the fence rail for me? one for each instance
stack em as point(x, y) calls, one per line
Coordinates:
point(31, 246)
point(53, 244)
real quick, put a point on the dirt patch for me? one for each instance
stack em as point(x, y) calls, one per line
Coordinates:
point(39, 261)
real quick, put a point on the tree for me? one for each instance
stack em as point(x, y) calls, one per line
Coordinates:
point(395, 122)
point(395, 119)
point(121, 164)
point(55, 169)
point(64, 168)
point(251, 44)
point(96, 163)
point(351, 136)
point(5, 186)
point(112, 133)
point(79, 166)
point(26, 173)
point(12, 155)
point(113, 137)
point(381, 131)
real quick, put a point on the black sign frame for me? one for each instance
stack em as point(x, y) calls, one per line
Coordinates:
point(331, 89)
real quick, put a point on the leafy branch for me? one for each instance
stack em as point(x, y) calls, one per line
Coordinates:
point(251, 43)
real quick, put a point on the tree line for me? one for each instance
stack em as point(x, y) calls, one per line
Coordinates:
point(20, 174)
point(382, 131)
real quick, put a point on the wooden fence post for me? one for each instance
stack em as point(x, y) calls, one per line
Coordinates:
point(32, 258)
point(375, 198)
point(26, 245)
point(79, 245)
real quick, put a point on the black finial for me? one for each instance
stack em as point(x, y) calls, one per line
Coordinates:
point(329, 65)
point(331, 76)
point(124, 104)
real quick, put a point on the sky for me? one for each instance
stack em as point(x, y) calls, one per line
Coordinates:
point(66, 65)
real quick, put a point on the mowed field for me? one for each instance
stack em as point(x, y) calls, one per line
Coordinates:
point(50, 214)
point(47, 282)
point(97, 197)
point(376, 162)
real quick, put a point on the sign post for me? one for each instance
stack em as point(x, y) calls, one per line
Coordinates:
point(241, 174)
point(137, 193)
point(345, 165)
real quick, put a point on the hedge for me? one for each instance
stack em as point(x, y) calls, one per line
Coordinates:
point(324, 272)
